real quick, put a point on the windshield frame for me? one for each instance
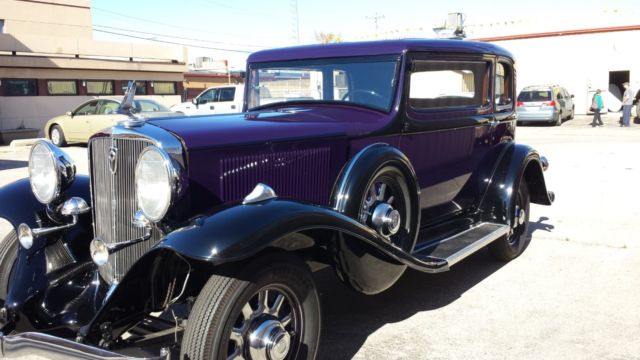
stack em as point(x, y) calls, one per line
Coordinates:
point(392, 97)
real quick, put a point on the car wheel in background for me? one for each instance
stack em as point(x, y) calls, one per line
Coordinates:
point(57, 136)
point(558, 120)
point(573, 112)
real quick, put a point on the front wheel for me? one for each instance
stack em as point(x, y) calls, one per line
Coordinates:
point(270, 310)
point(8, 256)
point(512, 245)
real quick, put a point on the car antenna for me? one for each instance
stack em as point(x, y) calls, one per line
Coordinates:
point(126, 107)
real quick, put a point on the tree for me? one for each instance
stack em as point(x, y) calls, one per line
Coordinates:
point(327, 38)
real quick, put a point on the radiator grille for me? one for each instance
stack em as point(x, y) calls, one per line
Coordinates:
point(114, 202)
point(300, 174)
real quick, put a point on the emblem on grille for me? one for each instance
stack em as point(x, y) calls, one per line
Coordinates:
point(113, 159)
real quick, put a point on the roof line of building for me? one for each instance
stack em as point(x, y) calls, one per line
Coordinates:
point(560, 33)
point(56, 4)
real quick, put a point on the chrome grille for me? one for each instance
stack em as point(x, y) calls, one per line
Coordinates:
point(114, 202)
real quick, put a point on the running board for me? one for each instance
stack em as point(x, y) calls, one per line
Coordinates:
point(448, 252)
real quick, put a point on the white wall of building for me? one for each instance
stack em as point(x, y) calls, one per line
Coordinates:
point(577, 62)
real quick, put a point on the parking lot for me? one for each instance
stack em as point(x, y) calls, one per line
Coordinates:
point(573, 294)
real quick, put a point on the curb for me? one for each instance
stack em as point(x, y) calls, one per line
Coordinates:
point(24, 142)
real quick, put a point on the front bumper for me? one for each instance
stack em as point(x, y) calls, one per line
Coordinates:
point(54, 348)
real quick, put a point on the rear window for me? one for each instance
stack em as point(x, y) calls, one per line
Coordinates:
point(538, 95)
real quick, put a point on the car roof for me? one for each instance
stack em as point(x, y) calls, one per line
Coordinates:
point(382, 47)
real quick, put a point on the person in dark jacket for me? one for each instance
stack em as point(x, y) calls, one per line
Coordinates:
point(596, 106)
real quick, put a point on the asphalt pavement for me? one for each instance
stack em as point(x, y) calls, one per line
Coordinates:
point(573, 294)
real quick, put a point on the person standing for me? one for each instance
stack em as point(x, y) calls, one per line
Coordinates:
point(627, 104)
point(596, 106)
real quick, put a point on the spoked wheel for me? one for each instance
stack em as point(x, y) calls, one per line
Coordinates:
point(269, 312)
point(386, 205)
point(518, 238)
point(8, 256)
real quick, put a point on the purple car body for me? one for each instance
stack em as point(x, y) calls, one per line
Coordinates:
point(366, 157)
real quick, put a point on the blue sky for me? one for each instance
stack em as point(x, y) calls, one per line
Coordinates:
point(218, 26)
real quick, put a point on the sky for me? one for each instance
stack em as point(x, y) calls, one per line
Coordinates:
point(232, 29)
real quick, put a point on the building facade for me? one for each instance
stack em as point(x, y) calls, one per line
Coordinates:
point(49, 63)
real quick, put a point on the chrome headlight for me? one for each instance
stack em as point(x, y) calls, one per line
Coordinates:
point(156, 180)
point(51, 171)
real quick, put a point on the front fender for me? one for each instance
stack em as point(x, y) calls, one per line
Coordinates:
point(517, 162)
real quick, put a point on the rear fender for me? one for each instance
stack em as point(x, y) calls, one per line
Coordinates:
point(516, 162)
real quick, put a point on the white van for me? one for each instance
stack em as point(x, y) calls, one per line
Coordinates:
point(214, 100)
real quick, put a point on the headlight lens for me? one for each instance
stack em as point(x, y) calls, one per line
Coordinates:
point(155, 179)
point(43, 177)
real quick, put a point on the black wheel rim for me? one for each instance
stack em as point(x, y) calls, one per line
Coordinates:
point(268, 326)
point(519, 225)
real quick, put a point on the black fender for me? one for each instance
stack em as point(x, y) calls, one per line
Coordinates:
point(357, 264)
point(181, 262)
point(517, 162)
point(19, 205)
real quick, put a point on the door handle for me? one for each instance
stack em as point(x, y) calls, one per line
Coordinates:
point(212, 107)
point(233, 107)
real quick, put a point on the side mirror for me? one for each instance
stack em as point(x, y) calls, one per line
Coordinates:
point(69, 113)
point(194, 101)
point(572, 96)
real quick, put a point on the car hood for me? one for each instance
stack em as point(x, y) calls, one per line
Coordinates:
point(291, 123)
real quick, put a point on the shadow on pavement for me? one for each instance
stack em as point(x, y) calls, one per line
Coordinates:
point(540, 225)
point(12, 164)
point(349, 317)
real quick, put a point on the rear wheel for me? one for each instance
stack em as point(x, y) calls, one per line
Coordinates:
point(573, 112)
point(512, 245)
point(270, 310)
point(558, 121)
point(57, 136)
point(8, 256)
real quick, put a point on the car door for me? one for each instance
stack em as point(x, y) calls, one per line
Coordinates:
point(206, 102)
point(448, 128)
point(105, 117)
point(75, 129)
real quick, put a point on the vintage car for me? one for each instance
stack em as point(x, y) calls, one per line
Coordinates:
point(198, 236)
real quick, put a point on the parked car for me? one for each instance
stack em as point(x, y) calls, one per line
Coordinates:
point(198, 235)
point(94, 115)
point(214, 100)
point(545, 103)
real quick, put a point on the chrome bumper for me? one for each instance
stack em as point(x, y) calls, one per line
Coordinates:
point(54, 348)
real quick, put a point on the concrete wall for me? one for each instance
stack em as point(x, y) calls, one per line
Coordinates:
point(577, 62)
point(59, 18)
point(35, 111)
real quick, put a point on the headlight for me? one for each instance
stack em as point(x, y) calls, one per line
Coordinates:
point(50, 171)
point(155, 182)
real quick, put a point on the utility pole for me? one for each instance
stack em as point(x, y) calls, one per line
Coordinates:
point(295, 24)
point(376, 18)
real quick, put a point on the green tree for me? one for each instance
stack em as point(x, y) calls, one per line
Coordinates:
point(328, 38)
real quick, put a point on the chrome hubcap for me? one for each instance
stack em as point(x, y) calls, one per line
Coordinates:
point(266, 328)
point(378, 211)
point(55, 136)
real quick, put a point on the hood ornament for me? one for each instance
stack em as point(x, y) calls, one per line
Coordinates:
point(127, 108)
point(113, 158)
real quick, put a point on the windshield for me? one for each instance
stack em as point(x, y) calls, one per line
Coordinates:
point(149, 106)
point(365, 81)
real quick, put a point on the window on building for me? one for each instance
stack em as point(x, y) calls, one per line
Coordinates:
point(20, 87)
point(1, 26)
point(97, 87)
point(164, 88)
point(141, 87)
point(438, 84)
point(62, 87)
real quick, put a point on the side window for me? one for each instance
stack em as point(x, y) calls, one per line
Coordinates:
point(90, 108)
point(503, 94)
point(208, 96)
point(108, 107)
point(442, 84)
point(227, 94)
point(340, 84)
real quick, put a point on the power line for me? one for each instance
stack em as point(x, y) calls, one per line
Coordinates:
point(172, 42)
point(173, 36)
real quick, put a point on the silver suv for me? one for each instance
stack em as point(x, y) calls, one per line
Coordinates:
point(545, 103)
